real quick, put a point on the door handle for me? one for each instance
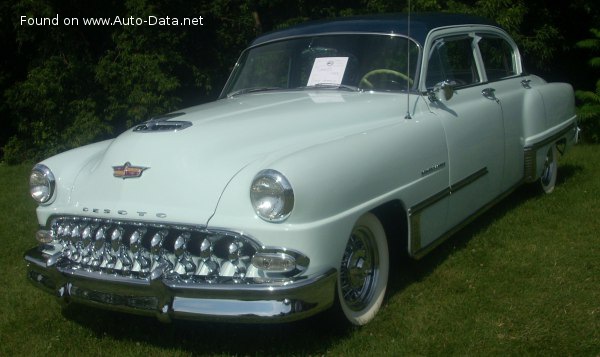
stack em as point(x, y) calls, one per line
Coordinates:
point(489, 93)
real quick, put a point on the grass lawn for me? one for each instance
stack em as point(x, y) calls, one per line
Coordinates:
point(523, 279)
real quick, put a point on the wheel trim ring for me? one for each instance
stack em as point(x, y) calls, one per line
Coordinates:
point(359, 296)
point(549, 168)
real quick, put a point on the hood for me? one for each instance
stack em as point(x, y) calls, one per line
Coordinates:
point(186, 171)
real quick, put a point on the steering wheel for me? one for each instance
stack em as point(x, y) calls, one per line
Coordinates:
point(365, 83)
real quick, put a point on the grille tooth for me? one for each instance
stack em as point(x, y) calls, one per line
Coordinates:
point(156, 241)
point(180, 244)
point(115, 239)
point(99, 240)
point(135, 240)
point(145, 261)
point(86, 235)
point(75, 231)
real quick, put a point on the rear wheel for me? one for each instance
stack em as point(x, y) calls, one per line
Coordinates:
point(549, 173)
point(363, 275)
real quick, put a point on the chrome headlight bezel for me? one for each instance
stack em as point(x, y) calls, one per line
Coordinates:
point(272, 196)
point(42, 184)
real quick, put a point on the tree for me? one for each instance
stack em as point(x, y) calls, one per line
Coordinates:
point(81, 83)
point(589, 111)
point(65, 86)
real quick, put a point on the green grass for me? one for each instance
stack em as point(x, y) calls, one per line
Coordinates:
point(523, 279)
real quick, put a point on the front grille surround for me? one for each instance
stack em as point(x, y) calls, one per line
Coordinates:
point(146, 251)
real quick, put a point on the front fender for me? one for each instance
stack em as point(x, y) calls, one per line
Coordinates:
point(349, 175)
point(66, 167)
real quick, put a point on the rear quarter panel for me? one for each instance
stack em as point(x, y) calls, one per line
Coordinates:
point(548, 118)
point(548, 108)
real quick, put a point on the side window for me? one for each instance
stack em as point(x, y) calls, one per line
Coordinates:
point(498, 59)
point(452, 59)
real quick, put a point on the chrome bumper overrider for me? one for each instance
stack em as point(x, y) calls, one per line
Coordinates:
point(171, 298)
point(175, 271)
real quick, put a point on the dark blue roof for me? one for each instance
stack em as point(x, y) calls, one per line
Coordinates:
point(420, 25)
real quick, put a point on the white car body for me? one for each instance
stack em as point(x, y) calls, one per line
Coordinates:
point(418, 163)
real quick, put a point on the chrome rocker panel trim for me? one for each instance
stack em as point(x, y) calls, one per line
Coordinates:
point(169, 299)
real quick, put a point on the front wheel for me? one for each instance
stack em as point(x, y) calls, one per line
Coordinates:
point(364, 270)
point(548, 177)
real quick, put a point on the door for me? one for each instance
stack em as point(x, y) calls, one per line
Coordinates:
point(473, 124)
point(503, 72)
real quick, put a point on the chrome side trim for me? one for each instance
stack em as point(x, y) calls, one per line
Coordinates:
point(555, 137)
point(530, 151)
point(414, 213)
point(468, 180)
point(416, 209)
point(423, 251)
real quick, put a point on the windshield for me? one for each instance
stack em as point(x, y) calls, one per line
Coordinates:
point(341, 61)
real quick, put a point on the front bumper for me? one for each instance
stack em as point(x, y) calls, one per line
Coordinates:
point(168, 299)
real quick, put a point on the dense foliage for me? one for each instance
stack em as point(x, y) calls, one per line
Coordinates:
point(589, 111)
point(65, 86)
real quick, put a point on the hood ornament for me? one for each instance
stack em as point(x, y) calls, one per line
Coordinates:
point(128, 171)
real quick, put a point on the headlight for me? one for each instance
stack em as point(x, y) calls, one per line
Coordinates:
point(272, 196)
point(41, 184)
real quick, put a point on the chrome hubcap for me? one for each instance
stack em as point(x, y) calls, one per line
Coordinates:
point(548, 169)
point(359, 270)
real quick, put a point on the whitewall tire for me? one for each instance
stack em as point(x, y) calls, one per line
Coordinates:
point(364, 270)
point(549, 173)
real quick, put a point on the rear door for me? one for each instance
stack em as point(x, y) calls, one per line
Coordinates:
point(503, 74)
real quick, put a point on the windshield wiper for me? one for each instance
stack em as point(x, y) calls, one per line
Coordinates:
point(332, 86)
point(251, 90)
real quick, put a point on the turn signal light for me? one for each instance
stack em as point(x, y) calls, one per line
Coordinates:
point(274, 262)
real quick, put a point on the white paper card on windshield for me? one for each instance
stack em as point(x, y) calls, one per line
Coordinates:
point(327, 70)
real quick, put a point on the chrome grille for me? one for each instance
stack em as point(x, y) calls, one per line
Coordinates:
point(146, 251)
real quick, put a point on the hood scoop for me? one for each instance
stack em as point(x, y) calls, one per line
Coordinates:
point(163, 123)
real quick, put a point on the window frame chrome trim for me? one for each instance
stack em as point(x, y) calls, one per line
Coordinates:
point(236, 67)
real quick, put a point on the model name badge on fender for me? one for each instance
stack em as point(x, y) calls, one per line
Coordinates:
point(123, 212)
point(433, 169)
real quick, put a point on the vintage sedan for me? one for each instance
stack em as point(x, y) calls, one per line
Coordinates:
point(335, 147)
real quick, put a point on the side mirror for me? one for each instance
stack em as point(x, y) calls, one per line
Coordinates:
point(446, 87)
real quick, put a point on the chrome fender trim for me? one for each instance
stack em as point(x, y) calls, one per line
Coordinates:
point(414, 213)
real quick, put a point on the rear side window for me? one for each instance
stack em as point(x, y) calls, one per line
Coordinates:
point(498, 58)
